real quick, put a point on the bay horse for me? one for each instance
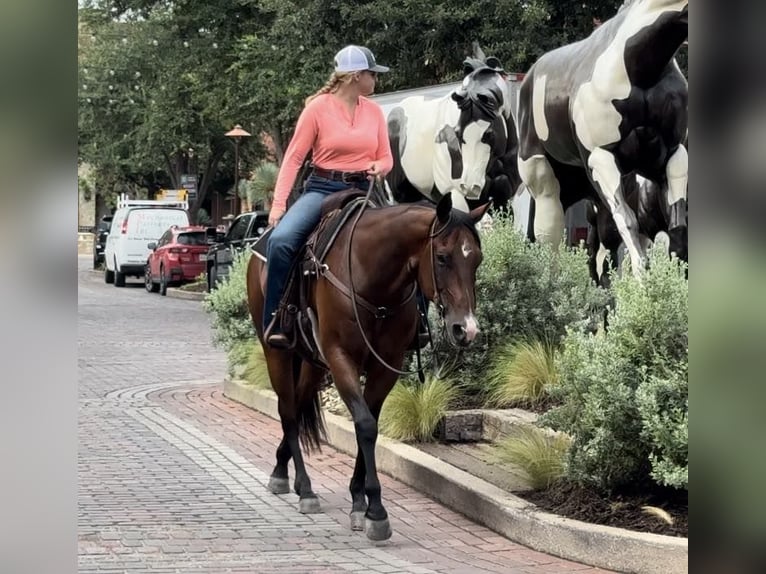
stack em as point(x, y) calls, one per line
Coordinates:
point(375, 262)
point(450, 144)
point(605, 107)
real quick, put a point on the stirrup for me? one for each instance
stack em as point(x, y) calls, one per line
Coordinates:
point(274, 335)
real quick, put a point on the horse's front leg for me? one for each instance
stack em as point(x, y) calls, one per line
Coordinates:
point(346, 376)
point(380, 381)
point(544, 187)
point(607, 179)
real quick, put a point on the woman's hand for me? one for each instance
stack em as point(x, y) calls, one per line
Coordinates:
point(374, 170)
point(275, 215)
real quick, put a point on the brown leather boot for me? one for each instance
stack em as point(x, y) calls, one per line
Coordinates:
point(274, 336)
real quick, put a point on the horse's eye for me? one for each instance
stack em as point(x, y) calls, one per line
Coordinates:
point(442, 260)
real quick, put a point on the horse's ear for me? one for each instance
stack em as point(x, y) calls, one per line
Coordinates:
point(494, 63)
point(478, 53)
point(478, 213)
point(444, 208)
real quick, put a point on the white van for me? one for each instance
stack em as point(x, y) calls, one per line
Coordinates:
point(135, 224)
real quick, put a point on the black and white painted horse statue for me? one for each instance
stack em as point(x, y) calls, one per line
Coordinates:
point(646, 199)
point(451, 144)
point(605, 107)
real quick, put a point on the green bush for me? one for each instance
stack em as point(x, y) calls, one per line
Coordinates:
point(248, 363)
point(524, 291)
point(623, 391)
point(663, 403)
point(228, 306)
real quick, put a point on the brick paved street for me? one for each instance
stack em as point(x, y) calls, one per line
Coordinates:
point(172, 475)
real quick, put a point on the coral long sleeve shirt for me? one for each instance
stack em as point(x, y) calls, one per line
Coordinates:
point(338, 140)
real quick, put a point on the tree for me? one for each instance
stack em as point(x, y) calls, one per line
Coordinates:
point(161, 81)
point(261, 186)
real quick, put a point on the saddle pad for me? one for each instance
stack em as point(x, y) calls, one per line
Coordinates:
point(261, 246)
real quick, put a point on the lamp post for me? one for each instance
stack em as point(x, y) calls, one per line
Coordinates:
point(236, 134)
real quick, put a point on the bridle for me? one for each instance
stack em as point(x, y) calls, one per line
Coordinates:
point(437, 290)
point(437, 299)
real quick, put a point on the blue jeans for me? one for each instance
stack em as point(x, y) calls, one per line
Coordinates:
point(291, 233)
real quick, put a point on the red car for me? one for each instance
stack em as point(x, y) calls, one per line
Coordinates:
point(178, 257)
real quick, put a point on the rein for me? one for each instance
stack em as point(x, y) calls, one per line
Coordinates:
point(431, 237)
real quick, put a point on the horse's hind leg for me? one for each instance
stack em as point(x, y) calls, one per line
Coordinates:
point(310, 429)
point(281, 376)
point(282, 373)
point(279, 482)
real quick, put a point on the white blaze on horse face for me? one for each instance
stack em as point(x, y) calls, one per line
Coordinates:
point(607, 176)
point(677, 171)
point(471, 327)
point(538, 107)
point(475, 159)
point(466, 249)
point(596, 120)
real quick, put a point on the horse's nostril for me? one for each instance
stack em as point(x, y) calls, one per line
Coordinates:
point(458, 332)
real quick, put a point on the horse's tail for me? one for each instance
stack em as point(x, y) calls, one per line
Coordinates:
point(311, 428)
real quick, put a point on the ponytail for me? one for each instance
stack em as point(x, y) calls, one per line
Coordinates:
point(336, 79)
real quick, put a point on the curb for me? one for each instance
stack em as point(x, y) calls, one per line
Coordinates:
point(508, 515)
point(177, 293)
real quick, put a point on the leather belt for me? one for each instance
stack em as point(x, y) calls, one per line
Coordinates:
point(344, 176)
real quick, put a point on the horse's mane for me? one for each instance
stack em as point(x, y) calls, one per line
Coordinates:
point(476, 87)
point(457, 218)
point(462, 219)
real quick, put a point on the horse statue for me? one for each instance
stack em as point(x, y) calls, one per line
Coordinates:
point(463, 144)
point(605, 107)
point(645, 198)
point(360, 297)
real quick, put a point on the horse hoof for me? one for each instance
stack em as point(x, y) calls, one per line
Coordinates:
point(357, 520)
point(279, 485)
point(377, 529)
point(309, 506)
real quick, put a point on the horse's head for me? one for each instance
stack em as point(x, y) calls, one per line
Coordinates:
point(484, 102)
point(448, 269)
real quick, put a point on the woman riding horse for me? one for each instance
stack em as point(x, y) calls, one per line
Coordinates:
point(366, 315)
point(348, 138)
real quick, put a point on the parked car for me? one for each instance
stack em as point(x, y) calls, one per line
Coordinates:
point(245, 229)
point(178, 257)
point(100, 233)
point(135, 224)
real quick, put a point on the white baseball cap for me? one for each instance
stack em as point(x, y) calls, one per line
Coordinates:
point(357, 59)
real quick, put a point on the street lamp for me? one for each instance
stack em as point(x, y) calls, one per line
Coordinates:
point(236, 134)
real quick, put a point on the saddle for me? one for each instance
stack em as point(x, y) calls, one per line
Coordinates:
point(298, 319)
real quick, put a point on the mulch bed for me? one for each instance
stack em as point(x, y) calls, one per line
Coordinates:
point(621, 510)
